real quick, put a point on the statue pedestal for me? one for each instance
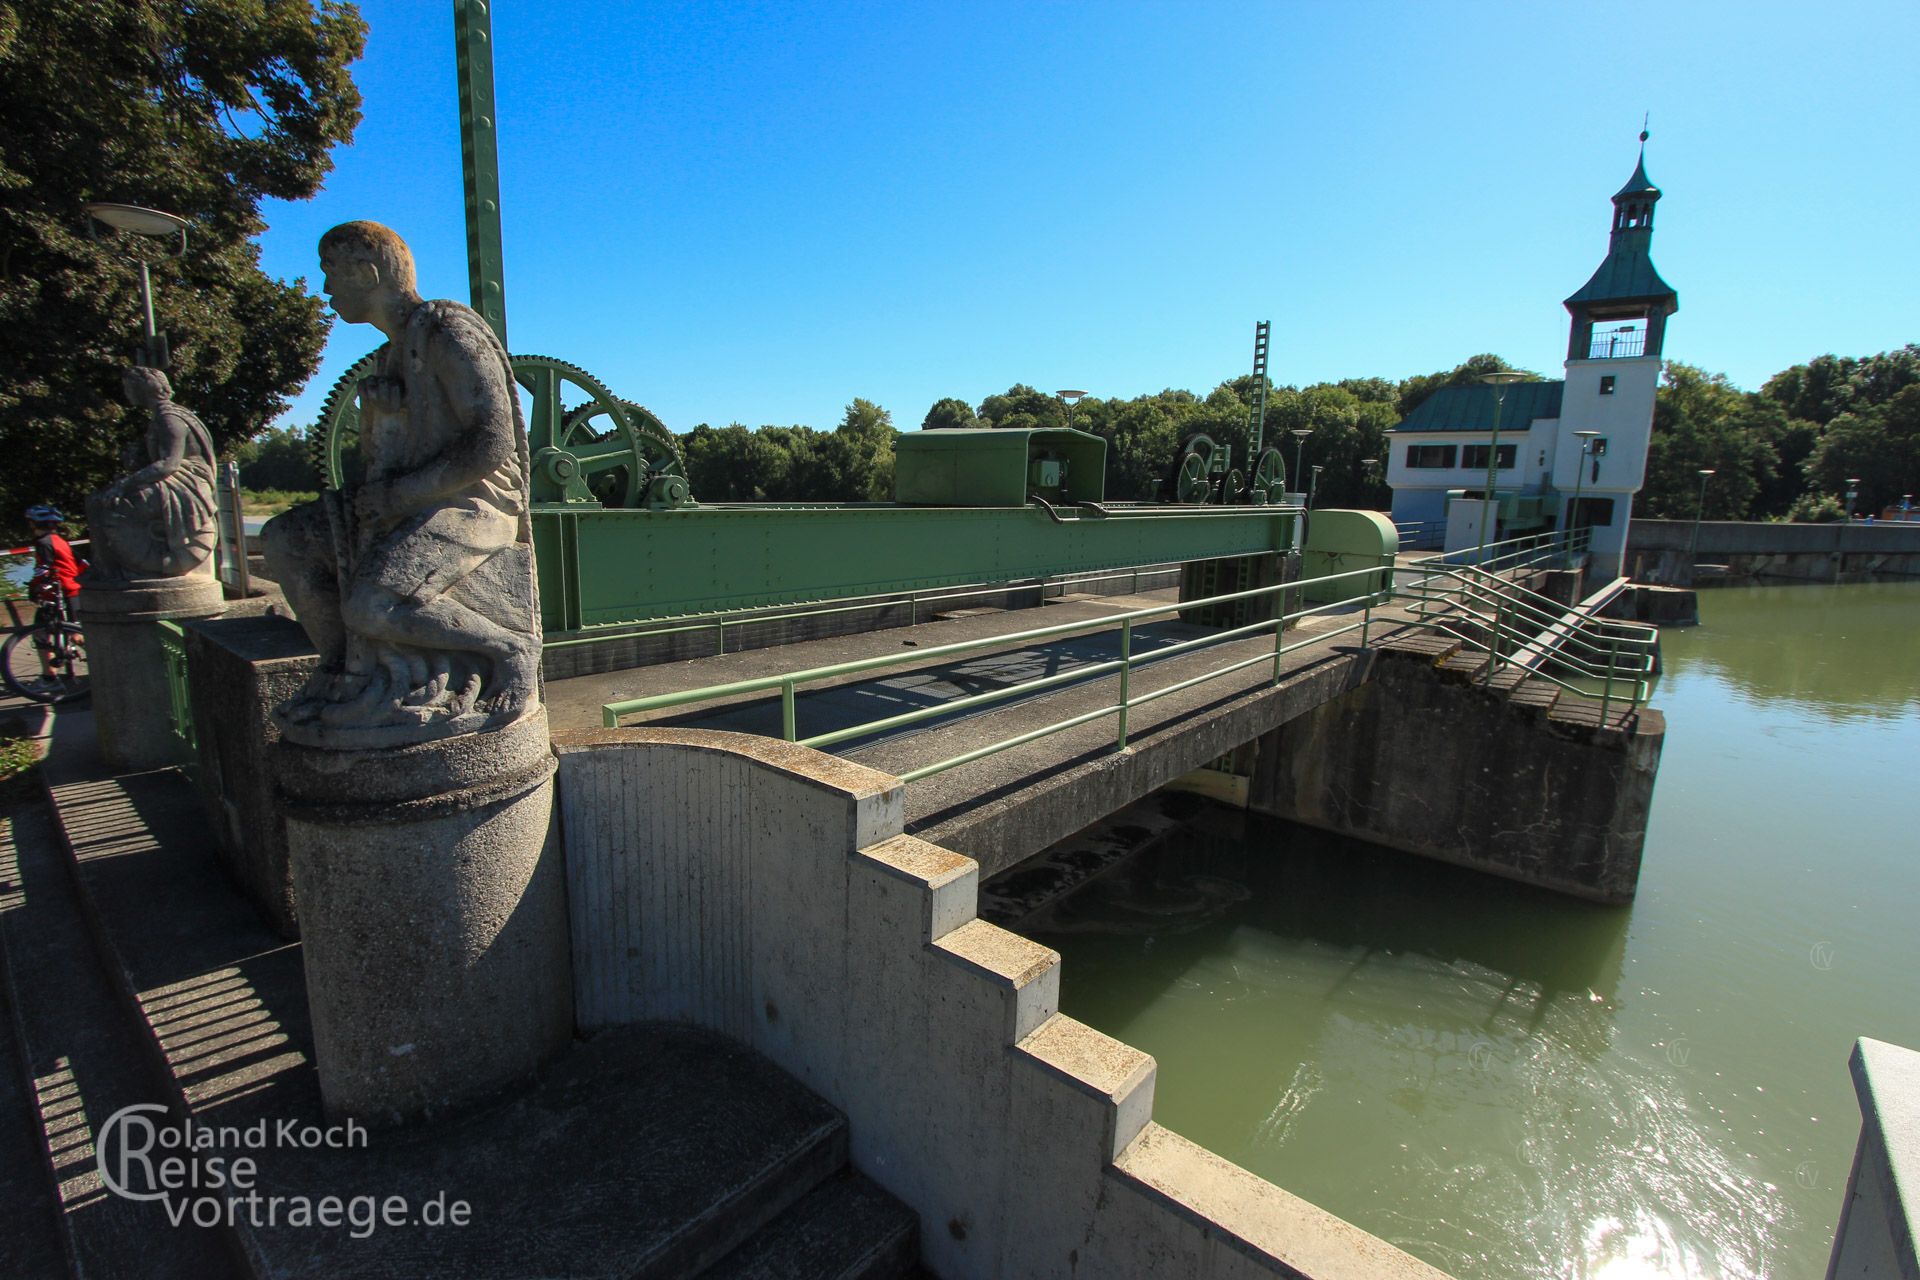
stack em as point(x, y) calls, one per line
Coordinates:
point(132, 711)
point(433, 914)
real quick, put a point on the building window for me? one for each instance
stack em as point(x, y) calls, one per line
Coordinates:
point(1474, 457)
point(1593, 513)
point(1606, 384)
point(1430, 455)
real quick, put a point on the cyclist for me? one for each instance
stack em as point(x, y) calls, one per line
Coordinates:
point(56, 574)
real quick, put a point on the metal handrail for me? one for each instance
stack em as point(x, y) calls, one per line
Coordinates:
point(1557, 614)
point(1475, 576)
point(720, 620)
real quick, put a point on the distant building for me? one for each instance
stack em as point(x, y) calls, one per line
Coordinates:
point(1437, 457)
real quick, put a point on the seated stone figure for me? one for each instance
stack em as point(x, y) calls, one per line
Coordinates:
point(157, 521)
point(415, 579)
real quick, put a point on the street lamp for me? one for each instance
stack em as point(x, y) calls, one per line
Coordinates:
point(1300, 435)
point(1070, 398)
point(1586, 439)
point(154, 225)
point(1314, 486)
point(1853, 492)
point(1499, 381)
point(1693, 543)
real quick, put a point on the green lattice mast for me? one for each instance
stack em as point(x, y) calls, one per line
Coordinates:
point(480, 162)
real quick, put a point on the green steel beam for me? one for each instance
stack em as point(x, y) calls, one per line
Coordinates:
point(480, 162)
point(607, 567)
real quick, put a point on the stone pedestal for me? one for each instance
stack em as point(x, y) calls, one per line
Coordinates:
point(132, 712)
point(433, 912)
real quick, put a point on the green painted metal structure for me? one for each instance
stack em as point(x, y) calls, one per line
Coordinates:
point(1338, 541)
point(998, 467)
point(605, 567)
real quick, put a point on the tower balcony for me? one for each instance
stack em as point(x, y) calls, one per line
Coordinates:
point(1617, 344)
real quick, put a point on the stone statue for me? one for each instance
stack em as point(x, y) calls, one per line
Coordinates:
point(158, 520)
point(415, 579)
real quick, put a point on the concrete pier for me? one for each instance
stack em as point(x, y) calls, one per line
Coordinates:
point(128, 672)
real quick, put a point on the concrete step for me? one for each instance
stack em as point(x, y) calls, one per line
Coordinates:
point(1536, 695)
point(1586, 712)
point(645, 1152)
point(82, 1063)
point(845, 1229)
point(1468, 664)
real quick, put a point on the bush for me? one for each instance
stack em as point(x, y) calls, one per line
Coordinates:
point(1816, 508)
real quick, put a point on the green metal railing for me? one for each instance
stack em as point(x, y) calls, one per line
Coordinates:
point(1564, 546)
point(173, 657)
point(718, 623)
point(1473, 604)
point(1125, 665)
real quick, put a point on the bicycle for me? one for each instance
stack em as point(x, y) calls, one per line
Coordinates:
point(55, 636)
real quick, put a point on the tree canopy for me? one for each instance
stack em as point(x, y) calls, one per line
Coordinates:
point(1789, 447)
point(202, 110)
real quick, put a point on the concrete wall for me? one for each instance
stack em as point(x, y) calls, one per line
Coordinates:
point(1657, 550)
point(765, 890)
point(1877, 1219)
point(1418, 759)
point(239, 669)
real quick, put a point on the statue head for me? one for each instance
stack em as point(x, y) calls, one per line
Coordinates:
point(146, 388)
point(367, 268)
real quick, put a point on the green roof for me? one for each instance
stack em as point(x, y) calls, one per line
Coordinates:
point(1470, 408)
point(1639, 184)
point(1627, 275)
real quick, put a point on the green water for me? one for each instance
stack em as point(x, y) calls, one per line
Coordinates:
point(1510, 1084)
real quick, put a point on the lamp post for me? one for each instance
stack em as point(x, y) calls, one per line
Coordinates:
point(154, 225)
point(1693, 543)
point(1070, 398)
point(1313, 486)
point(1490, 506)
point(1853, 492)
point(1586, 439)
point(1300, 435)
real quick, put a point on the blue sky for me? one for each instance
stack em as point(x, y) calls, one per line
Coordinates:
point(754, 213)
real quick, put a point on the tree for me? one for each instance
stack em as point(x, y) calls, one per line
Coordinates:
point(1878, 444)
point(949, 413)
point(203, 110)
point(1701, 420)
point(277, 458)
point(1022, 406)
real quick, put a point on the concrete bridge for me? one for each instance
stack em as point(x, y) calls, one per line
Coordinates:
point(1033, 751)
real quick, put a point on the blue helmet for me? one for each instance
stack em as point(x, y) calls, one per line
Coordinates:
point(44, 514)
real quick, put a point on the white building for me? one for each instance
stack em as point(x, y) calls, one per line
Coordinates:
point(1438, 456)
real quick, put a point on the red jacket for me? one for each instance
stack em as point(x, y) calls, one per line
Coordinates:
point(53, 562)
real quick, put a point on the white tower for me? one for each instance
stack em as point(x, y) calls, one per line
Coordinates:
point(1613, 369)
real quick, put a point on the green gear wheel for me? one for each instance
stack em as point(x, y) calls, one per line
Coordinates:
point(1270, 474)
point(576, 458)
point(1193, 474)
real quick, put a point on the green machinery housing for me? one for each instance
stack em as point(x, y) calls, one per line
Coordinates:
point(620, 538)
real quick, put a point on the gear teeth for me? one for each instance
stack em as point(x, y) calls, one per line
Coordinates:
point(335, 412)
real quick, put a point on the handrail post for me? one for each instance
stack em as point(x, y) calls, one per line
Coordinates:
point(1126, 670)
point(1493, 641)
point(1613, 659)
point(1279, 628)
point(721, 627)
point(787, 729)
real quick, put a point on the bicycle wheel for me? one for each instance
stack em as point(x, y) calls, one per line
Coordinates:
point(65, 645)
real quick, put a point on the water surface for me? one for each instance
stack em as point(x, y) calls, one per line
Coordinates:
point(1512, 1084)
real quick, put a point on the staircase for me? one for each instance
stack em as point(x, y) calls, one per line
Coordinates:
point(134, 974)
point(1486, 630)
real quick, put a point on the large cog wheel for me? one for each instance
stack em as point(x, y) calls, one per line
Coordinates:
point(602, 450)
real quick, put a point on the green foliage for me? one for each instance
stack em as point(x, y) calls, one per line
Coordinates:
point(852, 463)
point(18, 756)
point(949, 414)
point(277, 458)
point(1879, 444)
point(1816, 508)
point(203, 110)
point(257, 502)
